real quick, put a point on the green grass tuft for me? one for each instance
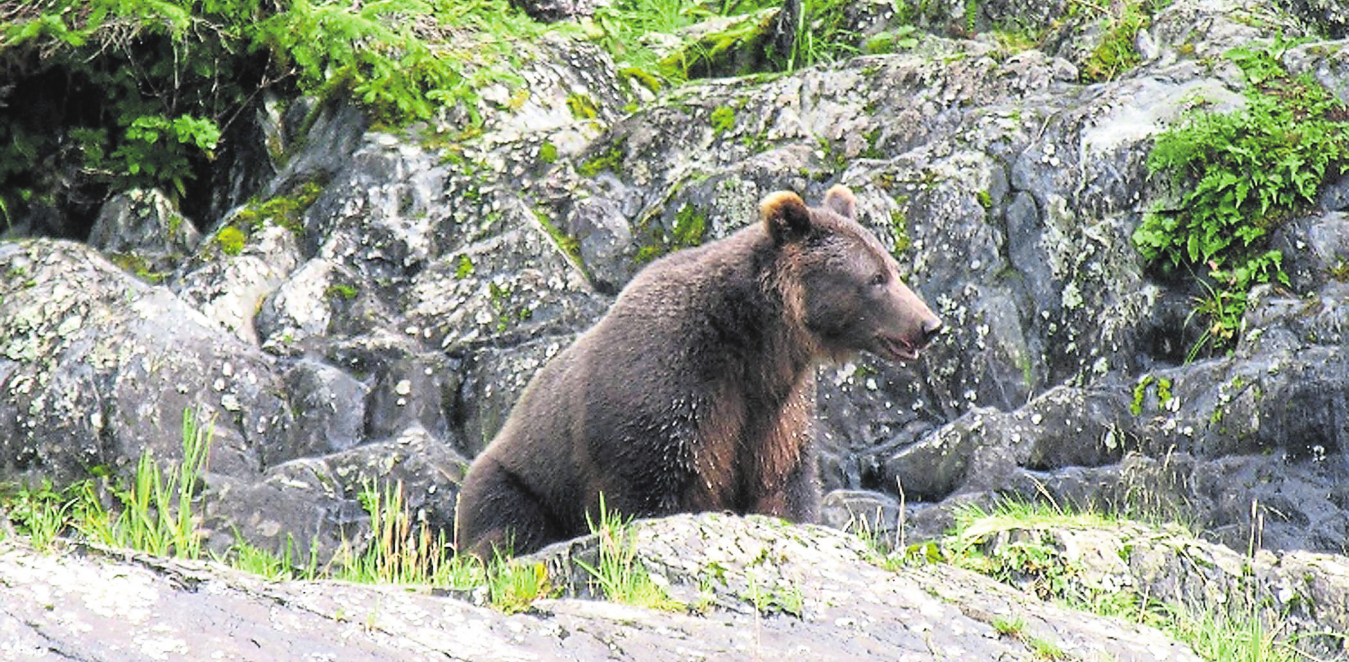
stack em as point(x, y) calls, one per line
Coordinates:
point(620, 575)
point(156, 513)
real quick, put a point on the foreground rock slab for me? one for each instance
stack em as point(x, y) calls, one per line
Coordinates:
point(769, 590)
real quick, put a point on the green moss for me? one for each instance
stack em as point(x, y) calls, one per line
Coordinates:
point(569, 245)
point(548, 152)
point(756, 142)
point(1340, 271)
point(723, 120)
point(1015, 40)
point(506, 311)
point(1164, 392)
point(138, 267)
point(231, 240)
point(342, 292)
point(283, 210)
point(873, 138)
point(582, 106)
point(690, 229)
point(641, 76)
point(737, 50)
point(1140, 393)
point(1116, 54)
point(985, 200)
point(608, 159)
point(690, 226)
point(463, 267)
point(891, 41)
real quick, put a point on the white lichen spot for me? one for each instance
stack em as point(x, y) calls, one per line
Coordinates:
point(403, 387)
point(845, 373)
point(1072, 296)
point(69, 325)
point(230, 402)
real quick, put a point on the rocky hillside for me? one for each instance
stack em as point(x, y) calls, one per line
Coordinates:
point(375, 298)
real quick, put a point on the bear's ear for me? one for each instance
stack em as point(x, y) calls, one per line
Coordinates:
point(785, 216)
point(839, 199)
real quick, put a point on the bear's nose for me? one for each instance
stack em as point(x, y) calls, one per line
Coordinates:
point(930, 329)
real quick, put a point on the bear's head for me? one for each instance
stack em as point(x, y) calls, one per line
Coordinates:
point(839, 284)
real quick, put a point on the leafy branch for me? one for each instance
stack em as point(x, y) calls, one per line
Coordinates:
point(1239, 176)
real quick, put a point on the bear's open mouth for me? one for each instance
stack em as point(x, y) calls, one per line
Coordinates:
point(895, 349)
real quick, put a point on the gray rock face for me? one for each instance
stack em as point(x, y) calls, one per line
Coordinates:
point(144, 224)
point(98, 368)
point(818, 595)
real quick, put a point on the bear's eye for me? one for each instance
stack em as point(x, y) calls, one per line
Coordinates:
point(877, 280)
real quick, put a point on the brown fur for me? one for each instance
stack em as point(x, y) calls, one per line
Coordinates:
point(696, 391)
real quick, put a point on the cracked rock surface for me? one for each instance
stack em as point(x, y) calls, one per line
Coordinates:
point(99, 606)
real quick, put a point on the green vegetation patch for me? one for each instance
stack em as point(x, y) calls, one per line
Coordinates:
point(690, 229)
point(139, 267)
point(1116, 53)
point(231, 240)
point(340, 292)
point(548, 152)
point(1238, 176)
point(723, 120)
point(141, 93)
point(582, 106)
point(283, 210)
point(157, 513)
point(899, 230)
point(891, 41)
point(620, 576)
point(1013, 543)
point(608, 159)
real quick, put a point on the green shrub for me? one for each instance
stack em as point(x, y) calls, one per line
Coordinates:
point(1238, 177)
point(140, 93)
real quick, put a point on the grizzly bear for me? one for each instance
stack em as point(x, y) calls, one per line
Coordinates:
point(696, 391)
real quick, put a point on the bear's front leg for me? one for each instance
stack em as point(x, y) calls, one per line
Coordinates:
point(801, 493)
point(798, 497)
